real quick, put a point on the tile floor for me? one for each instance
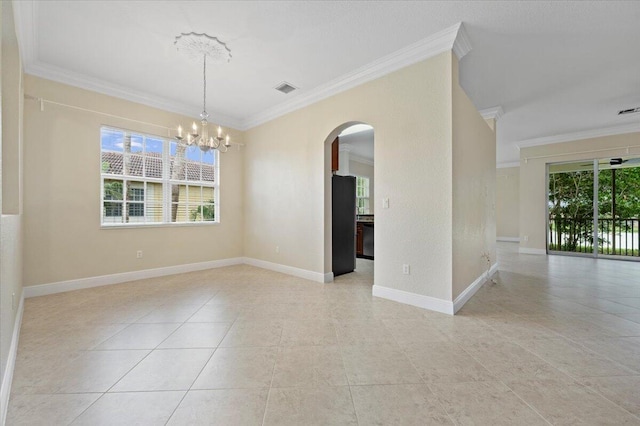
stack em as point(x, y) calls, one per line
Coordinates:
point(555, 341)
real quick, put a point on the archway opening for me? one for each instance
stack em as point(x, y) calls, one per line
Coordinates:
point(349, 203)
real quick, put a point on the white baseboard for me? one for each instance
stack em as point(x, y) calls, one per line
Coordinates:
point(473, 288)
point(5, 391)
point(81, 283)
point(290, 270)
point(58, 287)
point(526, 250)
point(425, 302)
point(509, 239)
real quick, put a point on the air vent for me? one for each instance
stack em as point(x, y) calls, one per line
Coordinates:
point(285, 88)
point(629, 111)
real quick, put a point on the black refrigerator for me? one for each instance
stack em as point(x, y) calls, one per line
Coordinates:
point(343, 201)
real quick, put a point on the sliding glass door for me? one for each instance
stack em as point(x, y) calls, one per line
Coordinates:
point(618, 206)
point(593, 207)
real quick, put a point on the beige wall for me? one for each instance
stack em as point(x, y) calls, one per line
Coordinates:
point(12, 116)
point(507, 202)
point(356, 168)
point(533, 162)
point(474, 181)
point(62, 238)
point(10, 190)
point(288, 178)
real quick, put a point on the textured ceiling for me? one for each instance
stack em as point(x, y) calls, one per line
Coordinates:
point(555, 68)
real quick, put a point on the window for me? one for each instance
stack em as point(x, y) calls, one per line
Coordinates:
point(362, 195)
point(136, 203)
point(151, 180)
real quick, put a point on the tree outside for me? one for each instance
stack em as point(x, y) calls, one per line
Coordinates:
point(205, 212)
point(571, 211)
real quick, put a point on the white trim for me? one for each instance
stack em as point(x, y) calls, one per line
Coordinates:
point(289, 270)
point(492, 113)
point(413, 299)
point(508, 164)
point(5, 391)
point(24, 18)
point(473, 288)
point(81, 283)
point(51, 72)
point(586, 134)
point(509, 239)
point(462, 43)
point(453, 38)
point(526, 250)
point(328, 277)
point(358, 159)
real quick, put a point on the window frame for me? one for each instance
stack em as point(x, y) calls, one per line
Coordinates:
point(164, 183)
point(367, 198)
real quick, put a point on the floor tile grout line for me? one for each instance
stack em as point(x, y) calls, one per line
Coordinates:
point(507, 385)
point(611, 360)
point(190, 386)
point(440, 404)
point(273, 371)
point(402, 349)
point(353, 404)
point(590, 389)
point(89, 406)
point(526, 403)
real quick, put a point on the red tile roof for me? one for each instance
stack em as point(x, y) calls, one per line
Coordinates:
point(151, 165)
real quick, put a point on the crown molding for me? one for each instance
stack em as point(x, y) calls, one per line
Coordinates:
point(507, 164)
point(453, 38)
point(59, 75)
point(358, 159)
point(462, 43)
point(24, 17)
point(492, 113)
point(585, 134)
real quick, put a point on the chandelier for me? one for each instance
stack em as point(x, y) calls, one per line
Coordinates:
point(202, 46)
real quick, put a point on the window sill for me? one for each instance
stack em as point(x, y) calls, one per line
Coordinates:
point(157, 225)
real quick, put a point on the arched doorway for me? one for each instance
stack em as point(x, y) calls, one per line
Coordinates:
point(349, 203)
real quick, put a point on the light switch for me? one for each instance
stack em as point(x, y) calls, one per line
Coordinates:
point(385, 203)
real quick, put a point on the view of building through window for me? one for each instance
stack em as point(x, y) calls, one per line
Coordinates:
point(151, 180)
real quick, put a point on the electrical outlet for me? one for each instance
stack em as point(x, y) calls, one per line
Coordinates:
point(385, 203)
point(526, 238)
point(139, 254)
point(405, 269)
point(277, 249)
point(13, 301)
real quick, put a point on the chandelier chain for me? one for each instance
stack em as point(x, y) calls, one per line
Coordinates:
point(204, 101)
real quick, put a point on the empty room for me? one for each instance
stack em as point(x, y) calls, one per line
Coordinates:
point(320, 213)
